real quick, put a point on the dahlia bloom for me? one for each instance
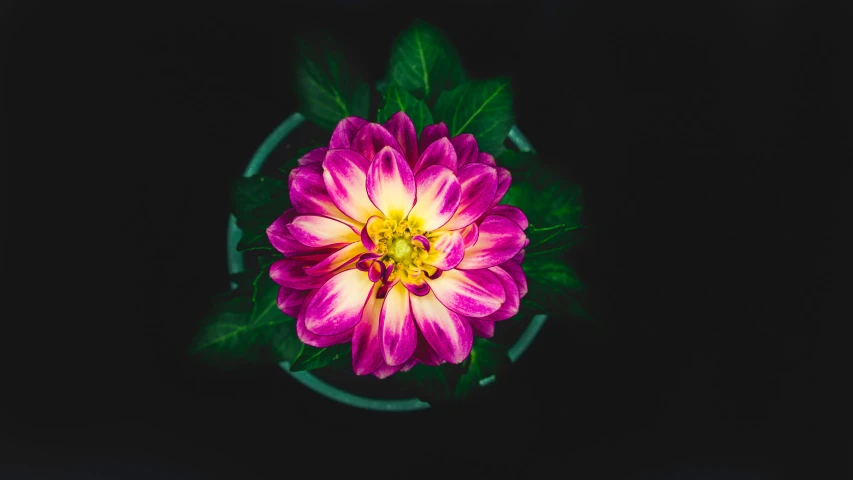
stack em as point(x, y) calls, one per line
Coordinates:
point(398, 245)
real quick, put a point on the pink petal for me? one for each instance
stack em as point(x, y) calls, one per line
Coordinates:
point(292, 176)
point(519, 257)
point(366, 346)
point(290, 300)
point(371, 138)
point(514, 269)
point(342, 257)
point(408, 365)
point(319, 341)
point(473, 293)
point(370, 227)
point(470, 234)
point(430, 134)
point(400, 126)
point(317, 231)
point(309, 196)
point(397, 327)
point(510, 306)
point(420, 289)
point(385, 371)
point(447, 250)
point(339, 303)
point(504, 181)
point(487, 159)
point(500, 239)
point(466, 148)
point(280, 237)
point(439, 152)
point(447, 332)
point(314, 156)
point(482, 328)
point(345, 130)
point(391, 184)
point(345, 176)
point(513, 213)
point(478, 183)
point(424, 353)
point(438, 194)
point(290, 272)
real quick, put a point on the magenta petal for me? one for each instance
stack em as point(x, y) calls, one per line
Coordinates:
point(397, 331)
point(447, 332)
point(423, 241)
point(470, 234)
point(314, 156)
point(504, 181)
point(290, 300)
point(419, 289)
point(424, 353)
point(519, 257)
point(430, 134)
point(513, 213)
point(290, 272)
point(448, 251)
point(478, 183)
point(345, 176)
point(438, 194)
point(281, 239)
point(292, 176)
point(510, 306)
point(466, 148)
point(473, 293)
point(309, 196)
point(366, 345)
point(482, 328)
point(336, 260)
point(487, 159)
point(317, 231)
point(339, 303)
point(440, 152)
point(391, 184)
point(345, 131)
point(371, 224)
point(376, 271)
point(409, 365)
point(514, 269)
point(500, 240)
point(319, 341)
point(385, 371)
point(371, 138)
point(400, 126)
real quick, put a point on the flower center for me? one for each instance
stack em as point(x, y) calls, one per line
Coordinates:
point(401, 250)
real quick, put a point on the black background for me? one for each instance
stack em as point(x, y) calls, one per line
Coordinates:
point(713, 142)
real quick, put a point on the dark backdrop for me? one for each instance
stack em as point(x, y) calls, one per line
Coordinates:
point(713, 143)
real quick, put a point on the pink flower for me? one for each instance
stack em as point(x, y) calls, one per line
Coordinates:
point(397, 244)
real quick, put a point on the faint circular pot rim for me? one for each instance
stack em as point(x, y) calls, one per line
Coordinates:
point(235, 265)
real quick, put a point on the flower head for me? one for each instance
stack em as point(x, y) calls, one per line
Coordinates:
point(397, 244)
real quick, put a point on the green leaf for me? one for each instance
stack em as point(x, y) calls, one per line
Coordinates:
point(485, 360)
point(551, 240)
point(311, 358)
point(433, 384)
point(513, 160)
point(545, 298)
point(229, 332)
point(328, 90)
point(481, 108)
point(265, 298)
point(396, 100)
point(553, 271)
point(546, 198)
point(257, 201)
point(423, 62)
point(285, 343)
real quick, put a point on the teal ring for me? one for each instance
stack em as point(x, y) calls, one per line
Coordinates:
point(235, 265)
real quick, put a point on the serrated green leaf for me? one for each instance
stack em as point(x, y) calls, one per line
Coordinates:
point(328, 90)
point(550, 241)
point(396, 100)
point(423, 62)
point(485, 360)
point(311, 358)
point(265, 298)
point(285, 343)
point(256, 202)
point(229, 333)
point(481, 108)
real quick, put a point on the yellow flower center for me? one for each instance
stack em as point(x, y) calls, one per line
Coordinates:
point(394, 242)
point(401, 250)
